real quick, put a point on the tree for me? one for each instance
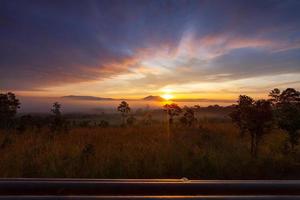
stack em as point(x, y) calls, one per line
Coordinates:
point(287, 112)
point(188, 117)
point(58, 122)
point(172, 111)
point(260, 121)
point(238, 114)
point(125, 110)
point(274, 94)
point(9, 105)
point(56, 109)
point(253, 117)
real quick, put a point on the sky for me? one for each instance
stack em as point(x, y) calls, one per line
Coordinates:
point(130, 49)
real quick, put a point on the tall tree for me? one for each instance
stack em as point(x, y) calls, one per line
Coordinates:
point(125, 110)
point(254, 117)
point(172, 111)
point(287, 112)
point(238, 114)
point(57, 123)
point(9, 105)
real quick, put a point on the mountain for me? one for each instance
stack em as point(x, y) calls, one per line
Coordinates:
point(153, 98)
point(148, 98)
point(90, 98)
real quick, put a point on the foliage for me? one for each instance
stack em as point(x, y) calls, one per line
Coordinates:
point(9, 105)
point(172, 110)
point(238, 114)
point(253, 117)
point(56, 109)
point(287, 112)
point(58, 123)
point(188, 118)
point(94, 148)
point(125, 110)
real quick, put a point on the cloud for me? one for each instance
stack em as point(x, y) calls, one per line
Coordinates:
point(52, 44)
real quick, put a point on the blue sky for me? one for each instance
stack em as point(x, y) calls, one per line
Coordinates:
point(192, 49)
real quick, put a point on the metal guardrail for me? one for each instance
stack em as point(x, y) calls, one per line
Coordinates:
point(147, 189)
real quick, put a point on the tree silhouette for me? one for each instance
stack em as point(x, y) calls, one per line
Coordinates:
point(58, 122)
point(188, 117)
point(253, 117)
point(56, 109)
point(287, 112)
point(9, 105)
point(172, 111)
point(275, 95)
point(238, 114)
point(125, 110)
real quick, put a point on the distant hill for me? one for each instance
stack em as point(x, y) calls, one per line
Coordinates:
point(153, 98)
point(148, 98)
point(91, 98)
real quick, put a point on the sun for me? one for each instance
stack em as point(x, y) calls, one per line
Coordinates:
point(167, 96)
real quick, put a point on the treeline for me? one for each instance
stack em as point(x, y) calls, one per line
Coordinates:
point(9, 121)
point(255, 118)
point(58, 122)
point(258, 117)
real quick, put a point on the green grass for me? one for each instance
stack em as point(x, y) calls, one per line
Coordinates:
point(213, 150)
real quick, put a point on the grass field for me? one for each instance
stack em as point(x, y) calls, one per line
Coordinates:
point(212, 149)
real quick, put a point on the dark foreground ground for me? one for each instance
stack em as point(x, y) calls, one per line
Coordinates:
point(211, 149)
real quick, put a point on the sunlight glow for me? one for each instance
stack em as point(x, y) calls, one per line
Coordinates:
point(167, 96)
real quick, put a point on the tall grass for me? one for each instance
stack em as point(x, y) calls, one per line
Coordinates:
point(213, 150)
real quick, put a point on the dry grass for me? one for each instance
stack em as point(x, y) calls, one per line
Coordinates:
point(212, 151)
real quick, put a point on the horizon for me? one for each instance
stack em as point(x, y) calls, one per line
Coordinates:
point(90, 104)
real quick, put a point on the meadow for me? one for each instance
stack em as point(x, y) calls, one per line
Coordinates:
point(210, 149)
